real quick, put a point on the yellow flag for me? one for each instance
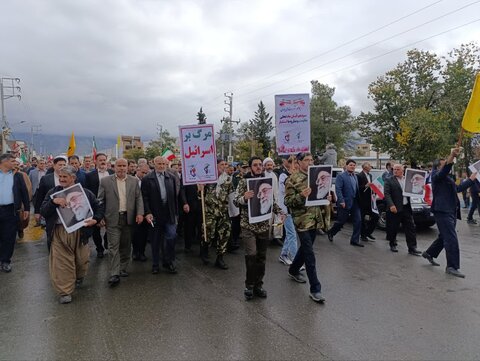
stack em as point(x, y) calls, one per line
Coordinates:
point(471, 118)
point(119, 141)
point(71, 146)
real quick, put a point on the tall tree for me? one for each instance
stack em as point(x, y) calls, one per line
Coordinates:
point(421, 89)
point(201, 117)
point(247, 144)
point(261, 126)
point(330, 123)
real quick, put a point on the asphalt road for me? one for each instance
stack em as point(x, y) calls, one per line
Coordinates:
point(380, 305)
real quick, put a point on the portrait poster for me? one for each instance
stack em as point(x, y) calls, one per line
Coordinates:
point(292, 123)
point(260, 206)
point(415, 180)
point(475, 167)
point(78, 208)
point(320, 182)
point(199, 156)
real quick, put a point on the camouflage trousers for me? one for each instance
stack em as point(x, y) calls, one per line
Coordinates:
point(218, 228)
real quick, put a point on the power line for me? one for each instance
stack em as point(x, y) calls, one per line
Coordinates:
point(367, 60)
point(359, 50)
point(345, 43)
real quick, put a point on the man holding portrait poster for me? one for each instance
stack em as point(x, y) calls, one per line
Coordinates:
point(70, 212)
point(254, 195)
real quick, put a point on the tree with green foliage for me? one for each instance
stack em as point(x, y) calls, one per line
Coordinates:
point(134, 153)
point(330, 123)
point(158, 146)
point(248, 144)
point(201, 117)
point(261, 126)
point(419, 104)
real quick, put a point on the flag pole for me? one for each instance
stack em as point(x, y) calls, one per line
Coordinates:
point(460, 138)
point(203, 215)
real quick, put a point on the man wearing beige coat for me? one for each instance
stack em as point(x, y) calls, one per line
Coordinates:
point(121, 199)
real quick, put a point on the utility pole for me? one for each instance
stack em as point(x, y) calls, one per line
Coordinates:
point(8, 89)
point(160, 134)
point(34, 129)
point(229, 121)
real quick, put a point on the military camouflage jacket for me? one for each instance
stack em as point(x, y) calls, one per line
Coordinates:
point(305, 218)
point(239, 201)
point(216, 195)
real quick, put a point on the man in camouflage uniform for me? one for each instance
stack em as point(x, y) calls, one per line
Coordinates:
point(255, 235)
point(216, 215)
point(306, 221)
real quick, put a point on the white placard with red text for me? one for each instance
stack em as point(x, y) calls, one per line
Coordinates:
point(292, 123)
point(199, 156)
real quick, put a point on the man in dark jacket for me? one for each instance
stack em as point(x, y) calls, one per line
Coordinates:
point(13, 195)
point(161, 199)
point(69, 252)
point(399, 210)
point(446, 208)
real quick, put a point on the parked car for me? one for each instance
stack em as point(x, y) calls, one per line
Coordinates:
point(422, 215)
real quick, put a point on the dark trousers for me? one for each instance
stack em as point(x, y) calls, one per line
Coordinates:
point(405, 217)
point(97, 239)
point(447, 239)
point(163, 238)
point(8, 232)
point(255, 257)
point(139, 242)
point(192, 227)
point(236, 229)
point(369, 222)
point(342, 218)
point(475, 205)
point(466, 198)
point(306, 256)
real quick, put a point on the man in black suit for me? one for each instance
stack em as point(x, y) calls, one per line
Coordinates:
point(193, 218)
point(47, 182)
point(369, 218)
point(161, 199)
point(92, 182)
point(399, 210)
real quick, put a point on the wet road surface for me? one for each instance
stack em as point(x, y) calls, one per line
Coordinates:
point(380, 305)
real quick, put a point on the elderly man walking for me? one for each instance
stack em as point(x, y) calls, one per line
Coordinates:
point(121, 200)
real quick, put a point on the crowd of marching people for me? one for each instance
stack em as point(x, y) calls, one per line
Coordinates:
point(133, 203)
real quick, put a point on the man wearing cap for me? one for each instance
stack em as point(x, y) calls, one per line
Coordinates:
point(13, 195)
point(49, 181)
point(69, 254)
point(216, 215)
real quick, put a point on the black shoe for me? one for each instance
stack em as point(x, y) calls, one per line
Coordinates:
point(114, 281)
point(371, 237)
point(21, 234)
point(248, 293)
point(219, 263)
point(356, 244)
point(6, 267)
point(364, 239)
point(142, 258)
point(260, 292)
point(79, 282)
point(155, 270)
point(430, 259)
point(204, 254)
point(123, 273)
point(454, 272)
point(100, 254)
point(393, 249)
point(330, 236)
point(297, 278)
point(414, 252)
point(170, 268)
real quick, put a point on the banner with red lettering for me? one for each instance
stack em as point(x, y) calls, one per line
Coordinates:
point(199, 156)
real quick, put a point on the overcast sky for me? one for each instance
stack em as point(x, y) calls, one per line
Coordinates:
point(109, 67)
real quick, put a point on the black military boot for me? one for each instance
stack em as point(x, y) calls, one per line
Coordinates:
point(220, 263)
point(248, 293)
point(204, 254)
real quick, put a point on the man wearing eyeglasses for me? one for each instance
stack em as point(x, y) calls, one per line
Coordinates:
point(306, 220)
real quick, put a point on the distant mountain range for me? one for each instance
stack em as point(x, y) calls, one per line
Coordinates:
point(56, 144)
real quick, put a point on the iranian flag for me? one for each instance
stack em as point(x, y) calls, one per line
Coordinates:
point(168, 154)
point(377, 187)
